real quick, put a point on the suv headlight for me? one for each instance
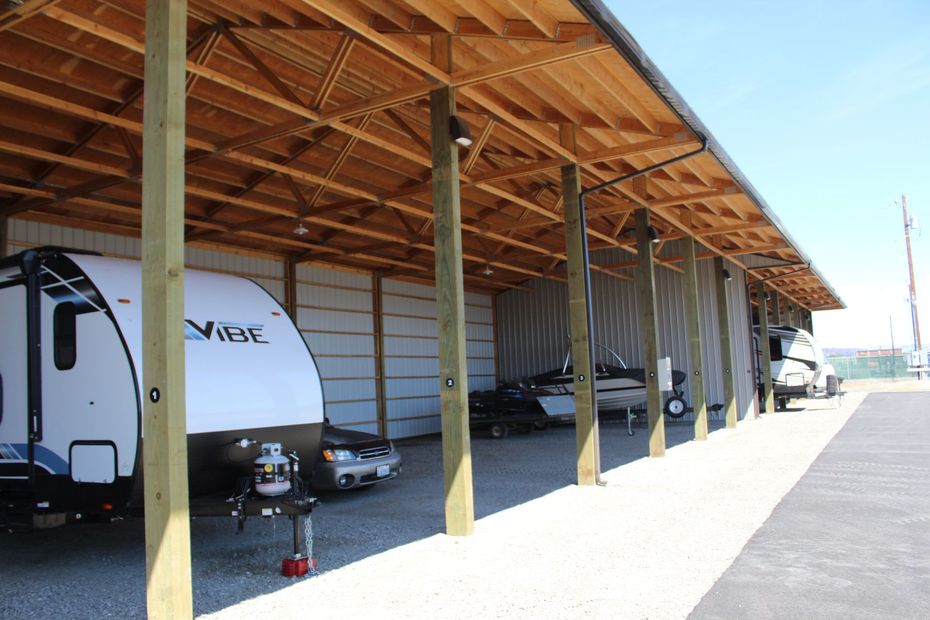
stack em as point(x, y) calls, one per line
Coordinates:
point(339, 454)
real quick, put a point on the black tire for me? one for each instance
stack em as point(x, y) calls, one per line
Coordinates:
point(675, 407)
point(833, 386)
point(540, 425)
point(498, 430)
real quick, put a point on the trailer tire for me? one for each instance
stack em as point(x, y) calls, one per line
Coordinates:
point(498, 430)
point(675, 407)
point(540, 425)
point(833, 386)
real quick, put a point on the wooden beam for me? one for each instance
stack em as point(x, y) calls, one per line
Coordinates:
point(531, 10)
point(259, 65)
point(450, 302)
point(692, 317)
point(579, 298)
point(679, 140)
point(331, 74)
point(164, 419)
point(472, 158)
point(768, 393)
point(781, 245)
point(723, 333)
point(650, 327)
point(684, 199)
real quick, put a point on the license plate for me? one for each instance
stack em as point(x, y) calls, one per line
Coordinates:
point(383, 470)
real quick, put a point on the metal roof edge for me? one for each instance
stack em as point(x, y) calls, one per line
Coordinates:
point(605, 21)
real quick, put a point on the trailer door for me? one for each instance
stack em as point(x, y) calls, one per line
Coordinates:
point(13, 400)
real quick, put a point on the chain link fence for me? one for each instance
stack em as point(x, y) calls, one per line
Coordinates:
point(871, 367)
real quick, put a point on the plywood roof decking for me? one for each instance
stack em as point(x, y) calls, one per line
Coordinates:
point(318, 109)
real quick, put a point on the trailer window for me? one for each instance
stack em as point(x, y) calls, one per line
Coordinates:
point(775, 352)
point(65, 336)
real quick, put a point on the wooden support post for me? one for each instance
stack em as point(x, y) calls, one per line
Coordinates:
point(698, 401)
point(650, 327)
point(778, 301)
point(579, 285)
point(164, 420)
point(768, 394)
point(726, 354)
point(450, 301)
point(4, 235)
point(291, 292)
point(809, 322)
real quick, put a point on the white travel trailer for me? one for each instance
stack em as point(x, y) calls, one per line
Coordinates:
point(71, 372)
point(797, 361)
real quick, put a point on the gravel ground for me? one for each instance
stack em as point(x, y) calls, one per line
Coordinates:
point(648, 545)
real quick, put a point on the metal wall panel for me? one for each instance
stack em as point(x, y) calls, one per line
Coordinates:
point(532, 326)
point(335, 314)
point(411, 352)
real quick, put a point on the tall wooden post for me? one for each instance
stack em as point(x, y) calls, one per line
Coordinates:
point(290, 292)
point(4, 235)
point(579, 283)
point(778, 301)
point(698, 401)
point(650, 327)
point(768, 393)
point(164, 421)
point(726, 353)
point(809, 322)
point(450, 300)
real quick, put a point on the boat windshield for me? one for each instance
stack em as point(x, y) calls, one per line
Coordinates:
point(568, 356)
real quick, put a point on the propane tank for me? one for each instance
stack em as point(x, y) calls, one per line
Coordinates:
point(272, 471)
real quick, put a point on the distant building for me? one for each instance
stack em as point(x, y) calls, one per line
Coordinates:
point(878, 352)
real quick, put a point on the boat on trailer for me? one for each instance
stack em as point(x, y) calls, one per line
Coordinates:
point(618, 387)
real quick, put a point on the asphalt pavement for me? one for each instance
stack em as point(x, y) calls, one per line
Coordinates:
point(852, 538)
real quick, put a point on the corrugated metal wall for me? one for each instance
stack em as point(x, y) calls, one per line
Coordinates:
point(336, 315)
point(411, 354)
point(533, 326)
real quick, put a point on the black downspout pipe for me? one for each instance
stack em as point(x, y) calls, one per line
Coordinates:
point(32, 268)
point(586, 263)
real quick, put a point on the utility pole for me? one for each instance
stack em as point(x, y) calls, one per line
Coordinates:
point(915, 323)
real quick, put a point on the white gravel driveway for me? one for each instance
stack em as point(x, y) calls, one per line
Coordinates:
point(648, 545)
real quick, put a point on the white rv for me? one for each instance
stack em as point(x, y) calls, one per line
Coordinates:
point(797, 361)
point(71, 372)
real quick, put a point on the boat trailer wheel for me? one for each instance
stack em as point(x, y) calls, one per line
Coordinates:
point(675, 407)
point(498, 430)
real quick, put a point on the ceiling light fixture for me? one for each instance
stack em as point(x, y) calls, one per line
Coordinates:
point(301, 229)
point(459, 131)
point(487, 270)
point(653, 234)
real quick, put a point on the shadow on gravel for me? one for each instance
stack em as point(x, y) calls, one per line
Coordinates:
point(96, 570)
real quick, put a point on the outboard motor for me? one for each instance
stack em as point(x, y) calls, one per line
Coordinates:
point(272, 471)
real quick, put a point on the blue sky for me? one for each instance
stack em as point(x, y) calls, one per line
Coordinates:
point(825, 106)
